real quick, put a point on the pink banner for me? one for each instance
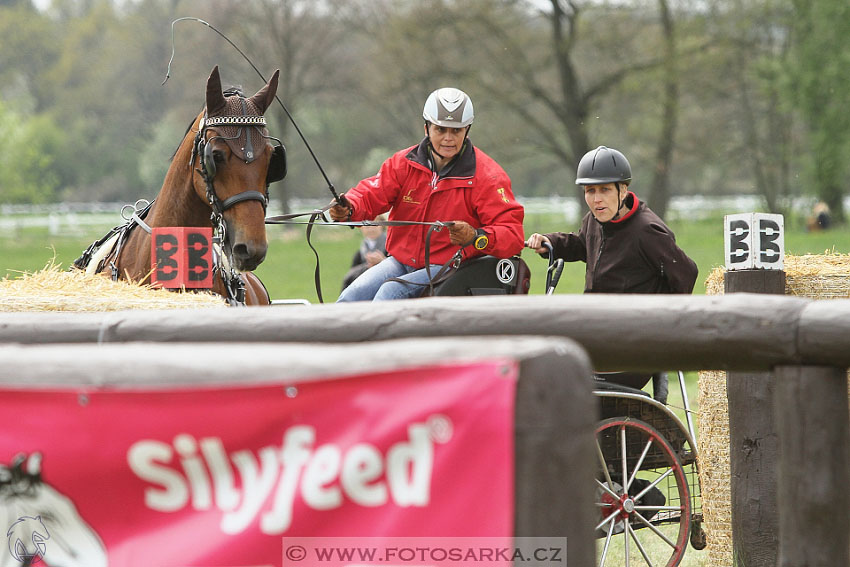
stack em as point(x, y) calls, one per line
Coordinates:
point(218, 477)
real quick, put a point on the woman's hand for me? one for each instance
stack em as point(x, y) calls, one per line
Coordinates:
point(535, 241)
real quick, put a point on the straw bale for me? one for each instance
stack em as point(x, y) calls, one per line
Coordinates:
point(53, 289)
point(816, 276)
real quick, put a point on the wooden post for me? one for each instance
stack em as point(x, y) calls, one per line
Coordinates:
point(753, 444)
point(551, 400)
point(814, 466)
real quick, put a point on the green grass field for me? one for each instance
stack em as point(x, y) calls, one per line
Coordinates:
point(288, 271)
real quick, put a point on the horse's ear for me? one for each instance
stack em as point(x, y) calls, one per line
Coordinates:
point(34, 464)
point(215, 99)
point(265, 95)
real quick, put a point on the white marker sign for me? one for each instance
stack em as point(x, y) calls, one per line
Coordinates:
point(754, 241)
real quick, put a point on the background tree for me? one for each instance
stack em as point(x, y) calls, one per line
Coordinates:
point(707, 98)
point(659, 195)
point(308, 43)
point(26, 175)
point(819, 84)
point(533, 64)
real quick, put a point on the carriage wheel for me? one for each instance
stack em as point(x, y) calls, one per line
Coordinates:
point(644, 520)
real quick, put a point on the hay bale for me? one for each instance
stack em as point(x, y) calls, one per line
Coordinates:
point(53, 289)
point(816, 276)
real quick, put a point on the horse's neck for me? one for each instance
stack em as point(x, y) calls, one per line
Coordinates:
point(178, 205)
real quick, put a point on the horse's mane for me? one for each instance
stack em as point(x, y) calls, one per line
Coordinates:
point(189, 127)
point(16, 480)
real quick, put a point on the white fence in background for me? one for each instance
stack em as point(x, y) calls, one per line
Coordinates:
point(68, 218)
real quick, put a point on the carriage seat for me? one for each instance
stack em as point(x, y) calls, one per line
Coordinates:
point(487, 275)
point(633, 382)
point(601, 383)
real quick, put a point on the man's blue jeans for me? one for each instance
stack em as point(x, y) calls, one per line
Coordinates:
point(372, 285)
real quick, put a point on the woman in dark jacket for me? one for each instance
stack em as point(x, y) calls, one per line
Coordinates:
point(627, 247)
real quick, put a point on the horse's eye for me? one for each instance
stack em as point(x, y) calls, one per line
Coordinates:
point(47, 515)
point(218, 156)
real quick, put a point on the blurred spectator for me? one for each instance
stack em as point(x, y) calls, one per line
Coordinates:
point(372, 250)
point(820, 219)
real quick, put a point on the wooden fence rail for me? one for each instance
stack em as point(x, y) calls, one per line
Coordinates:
point(807, 341)
point(738, 332)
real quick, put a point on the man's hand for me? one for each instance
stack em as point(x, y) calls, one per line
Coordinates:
point(340, 213)
point(461, 233)
point(374, 257)
point(536, 241)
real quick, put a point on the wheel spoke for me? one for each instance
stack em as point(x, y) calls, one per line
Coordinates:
point(607, 489)
point(652, 485)
point(604, 465)
point(610, 518)
point(623, 454)
point(637, 466)
point(639, 546)
point(655, 530)
point(607, 544)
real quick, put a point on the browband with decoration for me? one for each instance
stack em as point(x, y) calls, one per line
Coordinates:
point(209, 121)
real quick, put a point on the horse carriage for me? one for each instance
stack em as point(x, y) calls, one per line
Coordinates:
point(647, 487)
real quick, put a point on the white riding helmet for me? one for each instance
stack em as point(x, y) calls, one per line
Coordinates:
point(448, 107)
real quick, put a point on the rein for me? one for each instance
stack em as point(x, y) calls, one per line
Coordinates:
point(442, 274)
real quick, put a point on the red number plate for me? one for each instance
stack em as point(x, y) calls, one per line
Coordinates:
point(181, 257)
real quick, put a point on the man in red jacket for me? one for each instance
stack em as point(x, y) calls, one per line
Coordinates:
point(443, 178)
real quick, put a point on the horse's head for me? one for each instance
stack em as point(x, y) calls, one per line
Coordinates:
point(235, 163)
point(22, 477)
point(40, 522)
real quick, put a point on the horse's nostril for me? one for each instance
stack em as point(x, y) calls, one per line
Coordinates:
point(248, 256)
point(241, 251)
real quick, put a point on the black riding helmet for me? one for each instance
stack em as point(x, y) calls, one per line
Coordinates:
point(604, 165)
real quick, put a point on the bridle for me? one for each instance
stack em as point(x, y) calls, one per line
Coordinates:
point(202, 149)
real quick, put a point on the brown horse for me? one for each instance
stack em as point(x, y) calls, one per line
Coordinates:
point(218, 177)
